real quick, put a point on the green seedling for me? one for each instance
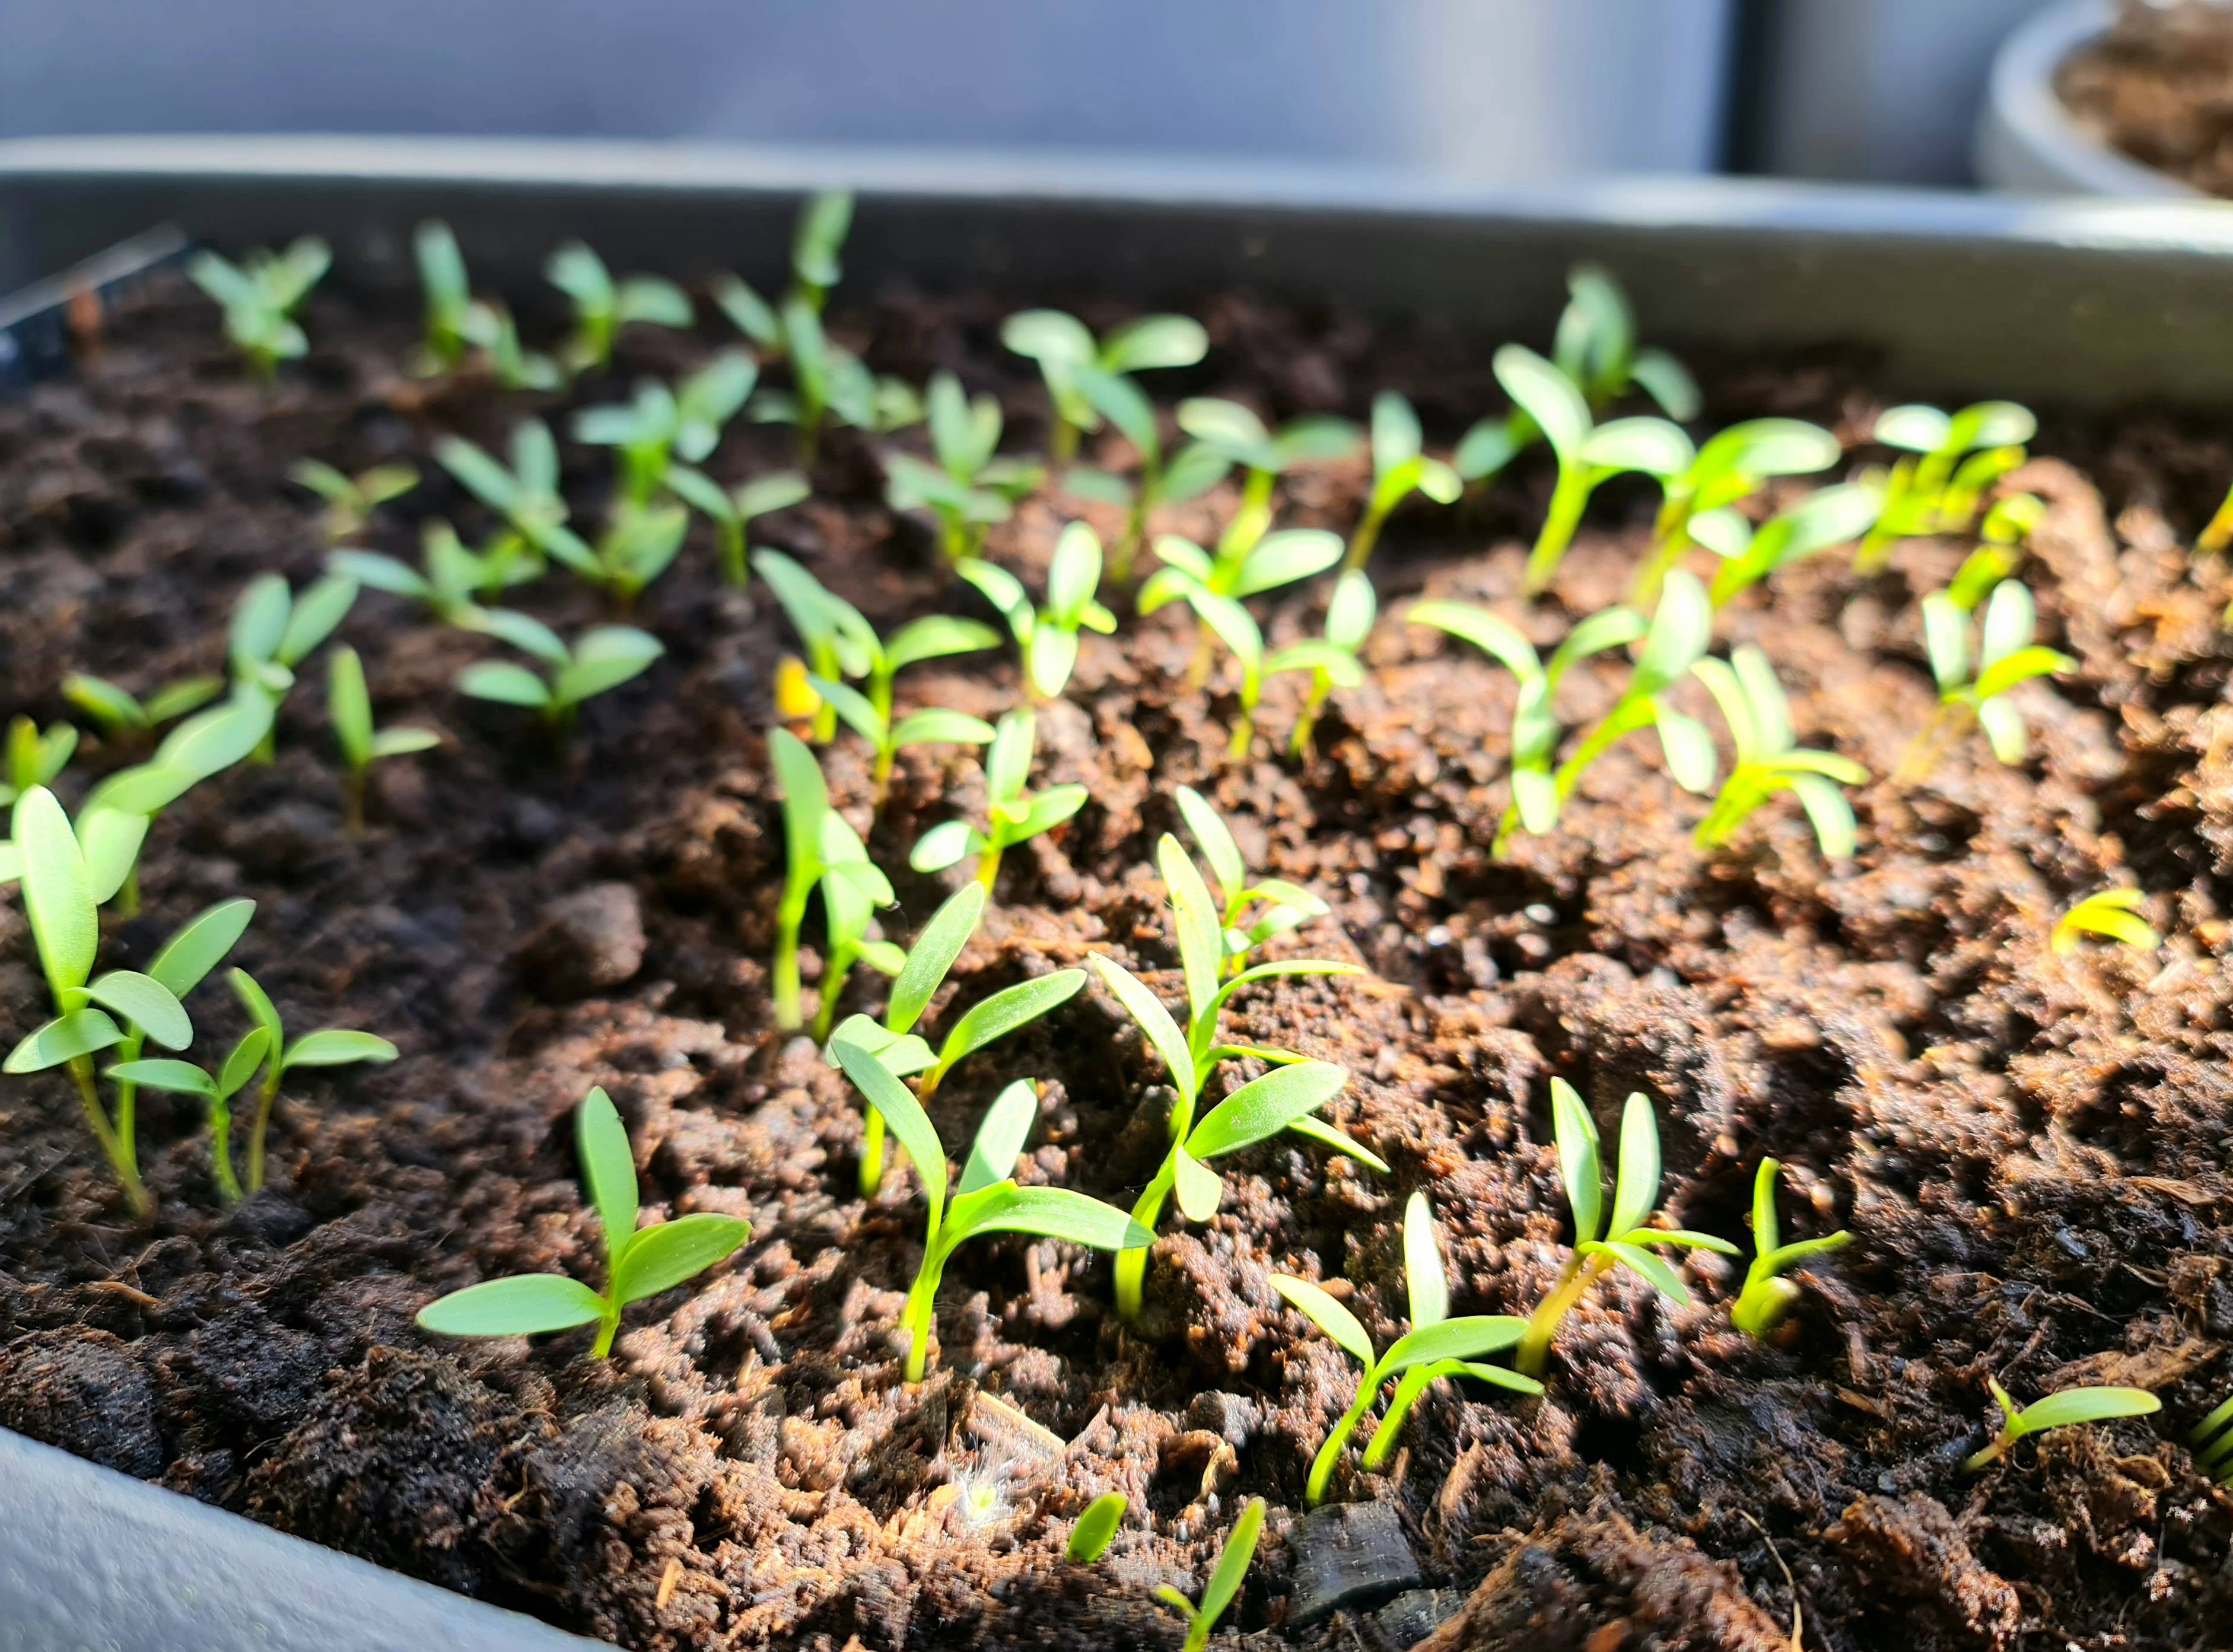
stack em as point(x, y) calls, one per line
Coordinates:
point(2212, 1440)
point(32, 758)
point(122, 716)
point(1916, 492)
point(831, 641)
point(2003, 535)
point(987, 1200)
point(663, 428)
point(640, 543)
point(904, 1053)
point(260, 296)
point(274, 630)
point(1589, 454)
point(970, 486)
point(599, 660)
point(821, 851)
point(490, 328)
point(350, 500)
point(1767, 1295)
point(1013, 813)
point(733, 511)
point(2062, 1410)
point(1827, 517)
point(1536, 799)
point(1627, 1238)
point(1728, 467)
point(1089, 1538)
point(216, 1092)
point(326, 1047)
point(1350, 615)
point(451, 581)
point(1237, 435)
point(2007, 657)
point(640, 1262)
point(449, 297)
point(818, 238)
point(2114, 913)
point(526, 496)
point(1061, 344)
point(829, 382)
point(1048, 637)
point(1283, 1099)
point(604, 306)
point(1769, 759)
point(1973, 478)
point(1241, 566)
point(1399, 470)
point(931, 726)
point(1164, 479)
point(1595, 347)
point(1249, 914)
point(65, 874)
point(1224, 1583)
point(1237, 629)
point(348, 703)
point(1436, 1346)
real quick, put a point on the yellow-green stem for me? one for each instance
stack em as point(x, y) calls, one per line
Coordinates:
point(988, 867)
point(1366, 537)
point(872, 1154)
point(1132, 1265)
point(111, 1146)
point(1568, 501)
point(607, 1328)
point(1408, 1391)
point(1997, 1449)
point(1577, 1277)
point(788, 1015)
point(2219, 532)
point(220, 1121)
point(918, 1318)
point(265, 1098)
point(1322, 1465)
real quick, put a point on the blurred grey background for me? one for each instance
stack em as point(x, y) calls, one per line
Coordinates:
point(1480, 90)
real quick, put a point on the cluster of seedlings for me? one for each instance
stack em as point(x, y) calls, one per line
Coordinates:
point(1218, 1097)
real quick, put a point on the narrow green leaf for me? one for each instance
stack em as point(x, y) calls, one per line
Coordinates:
point(1216, 841)
point(933, 955)
point(1466, 1337)
point(1154, 1020)
point(505, 683)
point(527, 1305)
point(1200, 937)
point(1200, 1190)
point(1313, 1128)
point(1052, 1213)
point(2086, 1405)
point(314, 615)
point(240, 1063)
point(1232, 1565)
point(1423, 1280)
point(906, 1117)
point(145, 1003)
point(662, 1256)
point(64, 1039)
point(179, 1077)
point(1263, 1107)
point(1635, 1185)
point(1576, 1133)
point(57, 897)
point(258, 1003)
point(336, 1047)
point(938, 727)
point(1000, 1138)
point(112, 841)
point(600, 1146)
point(1663, 1277)
point(1089, 1538)
point(944, 844)
point(1010, 1008)
point(349, 704)
point(1547, 396)
point(1328, 1315)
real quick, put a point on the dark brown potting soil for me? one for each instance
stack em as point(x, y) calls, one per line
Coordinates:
point(2161, 90)
point(2032, 1149)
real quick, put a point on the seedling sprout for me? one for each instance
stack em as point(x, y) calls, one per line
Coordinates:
point(970, 486)
point(987, 1200)
point(604, 306)
point(216, 1092)
point(1164, 479)
point(1627, 1238)
point(1436, 1346)
point(1589, 454)
point(1536, 797)
point(32, 759)
point(490, 328)
point(260, 296)
point(1014, 815)
point(1224, 1582)
point(821, 851)
point(733, 512)
point(1250, 914)
point(1061, 344)
point(1350, 615)
point(818, 238)
point(1769, 759)
point(526, 496)
point(1048, 637)
point(1827, 517)
point(596, 662)
point(1767, 1296)
point(1283, 1099)
point(2062, 1410)
point(1728, 467)
point(2004, 532)
point(1237, 435)
point(449, 297)
point(1089, 1538)
point(349, 705)
point(1237, 629)
point(639, 1262)
point(1399, 470)
point(2007, 657)
point(663, 428)
point(2114, 913)
point(451, 581)
point(326, 1047)
point(827, 381)
point(1916, 491)
point(904, 1053)
point(350, 500)
point(121, 716)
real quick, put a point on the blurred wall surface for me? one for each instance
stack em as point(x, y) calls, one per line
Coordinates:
point(1483, 90)
point(1885, 90)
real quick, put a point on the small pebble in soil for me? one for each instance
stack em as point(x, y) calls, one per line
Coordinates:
point(1347, 1554)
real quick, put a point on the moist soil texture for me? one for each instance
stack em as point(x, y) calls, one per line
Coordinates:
point(2161, 90)
point(2030, 1148)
